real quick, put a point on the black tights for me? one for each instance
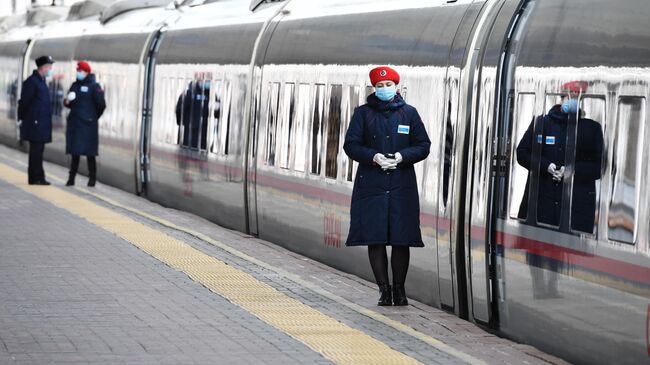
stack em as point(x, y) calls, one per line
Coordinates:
point(399, 261)
point(92, 165)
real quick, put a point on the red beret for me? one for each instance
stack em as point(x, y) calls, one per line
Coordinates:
point(83, 66)
point(575, 87)
point(383, 73)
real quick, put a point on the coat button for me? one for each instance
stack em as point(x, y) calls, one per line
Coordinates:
point(387, 192)
point(387, 136)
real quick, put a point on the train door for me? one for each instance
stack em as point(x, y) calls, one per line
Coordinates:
point(23, 68)
point(485, 52)
point(147, 102)
point(253, 104)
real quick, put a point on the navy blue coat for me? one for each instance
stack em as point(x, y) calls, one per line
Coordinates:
point(192, 110)
point(82, 134)
point(385, 205)
point(35, 110)
point(552, 135)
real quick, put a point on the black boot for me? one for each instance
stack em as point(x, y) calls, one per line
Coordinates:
point(399, 295)
point(91, 180)
point(70, 179)
point(386, 297)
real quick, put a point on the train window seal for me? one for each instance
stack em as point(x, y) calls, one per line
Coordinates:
point(622, 164)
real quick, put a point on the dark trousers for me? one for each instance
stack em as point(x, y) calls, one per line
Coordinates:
point(35, 172)
point(92, 165)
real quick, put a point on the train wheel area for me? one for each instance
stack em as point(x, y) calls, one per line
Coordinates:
point(102, 276)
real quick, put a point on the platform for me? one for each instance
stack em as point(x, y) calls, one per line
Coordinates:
point(100, 276)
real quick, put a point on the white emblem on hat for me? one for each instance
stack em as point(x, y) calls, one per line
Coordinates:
point(382, 73)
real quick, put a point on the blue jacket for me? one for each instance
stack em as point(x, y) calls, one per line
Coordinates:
point(35, 110)
point(551, 136)
point(385, 204)
point(82, 134)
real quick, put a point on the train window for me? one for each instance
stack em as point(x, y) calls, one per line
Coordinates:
point(216, 113)
point(302, 119)
point(333, 131)
point(223, 99)
point(317, 129)
point(626, 169)
point(182, 104)
point(519, 175)
point(353, 103)
point(285, 126)
point(585, 193)
point(271, 120)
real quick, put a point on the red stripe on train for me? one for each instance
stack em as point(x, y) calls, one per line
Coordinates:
point(585, 260)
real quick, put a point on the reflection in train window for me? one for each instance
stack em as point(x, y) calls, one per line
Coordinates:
point(271, 120)
point(353, 103)
point(317, 129)
point(285, 126)
point(222, 114)
point(626, 169)
point(333, 131)
point(300, 140)
point(519, 176)
point(585, 193)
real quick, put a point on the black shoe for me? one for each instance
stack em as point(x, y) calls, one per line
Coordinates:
point(91, 181)
point(386, 297)
point(40, 182)
point(399, 295)
point(70, 180)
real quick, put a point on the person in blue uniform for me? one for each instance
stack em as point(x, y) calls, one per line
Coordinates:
point(545, 144)
point(35, 118)
point(386, 137)
point(86, 102)
point(192, 111)
point(550, 132)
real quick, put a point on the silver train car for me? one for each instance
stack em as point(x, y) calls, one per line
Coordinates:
point(275, 84)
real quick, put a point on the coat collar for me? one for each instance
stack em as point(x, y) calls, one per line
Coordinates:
point(383, 106)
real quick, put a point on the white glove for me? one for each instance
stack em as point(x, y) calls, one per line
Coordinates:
point(559, 174)
point(398, 157)
point(383, 161)
point(552, 169)
point(19, 123)
point(72, 95)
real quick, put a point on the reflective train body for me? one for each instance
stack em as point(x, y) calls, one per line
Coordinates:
point(239, 116)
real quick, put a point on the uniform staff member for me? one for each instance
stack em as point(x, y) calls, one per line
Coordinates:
point(35, 118)
point(386, 137)
point(550, 133)
point(86, 102)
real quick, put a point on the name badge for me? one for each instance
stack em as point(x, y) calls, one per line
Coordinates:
point(200, 97)
point(403, 129)
point(550, 139)
point(84, 89)
point(540, 138)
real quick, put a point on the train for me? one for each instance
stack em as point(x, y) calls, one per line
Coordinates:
point(278, 83)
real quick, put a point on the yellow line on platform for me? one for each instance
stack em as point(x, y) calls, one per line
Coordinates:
point(325, 335)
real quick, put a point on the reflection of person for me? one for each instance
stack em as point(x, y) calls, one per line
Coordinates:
point(386, 137)
point(35, 118)
point(551, 134)
point(192, 110)
point(86, 102)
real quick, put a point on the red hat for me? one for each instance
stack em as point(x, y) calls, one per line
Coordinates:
point(575, 87)
point(83, 66)
point(383, 73)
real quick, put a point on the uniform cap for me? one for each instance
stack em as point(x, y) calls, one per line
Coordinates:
point(383, 73)
point(575, 87)
point(44, 60)
point(83, 66)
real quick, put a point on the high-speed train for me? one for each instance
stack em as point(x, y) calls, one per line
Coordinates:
point(275, 84)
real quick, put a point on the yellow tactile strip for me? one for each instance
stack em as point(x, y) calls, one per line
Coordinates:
point(331, 338)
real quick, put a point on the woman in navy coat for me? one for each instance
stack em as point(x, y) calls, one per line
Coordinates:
point(86, 102)
point(386, 137)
